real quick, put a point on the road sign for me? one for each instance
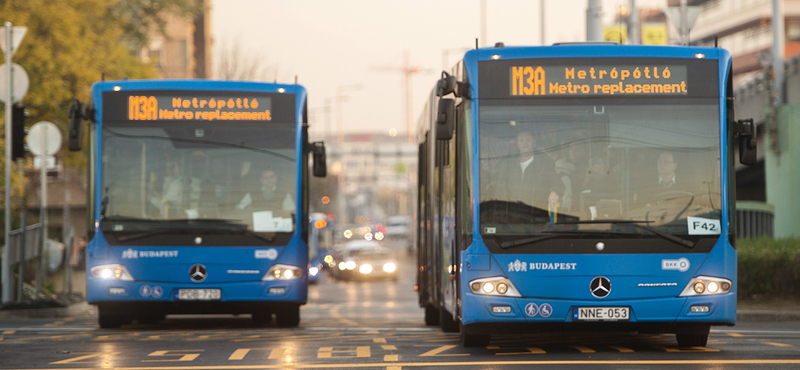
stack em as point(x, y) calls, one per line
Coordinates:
point(44, 138)
point(21, 82)
point(17, 33)
point(674, 16)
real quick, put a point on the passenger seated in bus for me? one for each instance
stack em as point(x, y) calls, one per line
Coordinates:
point(598, 185)
point(269, 197)
point(530, 178)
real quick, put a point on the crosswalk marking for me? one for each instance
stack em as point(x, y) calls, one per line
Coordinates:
point(584, 349)
point(622, 349)
point(778, 344)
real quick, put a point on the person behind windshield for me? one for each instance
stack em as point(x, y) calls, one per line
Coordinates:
point(530, 178)
point(170, 199)
point(268, 197)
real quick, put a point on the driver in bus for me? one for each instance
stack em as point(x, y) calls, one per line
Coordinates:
point(170, 200)
point(268, 196)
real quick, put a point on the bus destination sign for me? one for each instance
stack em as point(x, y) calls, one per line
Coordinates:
point(606, 80)
point(186, 107)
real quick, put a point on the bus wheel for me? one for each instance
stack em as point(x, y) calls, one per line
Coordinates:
point(431, 316)
point(108, 320)
point(288, 317)
point(262, 318)
point(697, 337)
point(449, 325)
point(474, 340)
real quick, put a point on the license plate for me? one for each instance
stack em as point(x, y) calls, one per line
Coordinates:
point(601, 313)
point(199, 294)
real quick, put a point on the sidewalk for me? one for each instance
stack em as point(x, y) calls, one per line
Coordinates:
point(772, 311)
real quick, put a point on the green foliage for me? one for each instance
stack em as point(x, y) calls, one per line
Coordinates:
point(69, 45)
point(140, 17)
point(768, 268)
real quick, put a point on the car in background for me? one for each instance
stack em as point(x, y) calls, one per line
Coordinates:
point(371, 264)
point(399, 234)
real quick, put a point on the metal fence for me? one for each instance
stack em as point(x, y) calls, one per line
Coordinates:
point(754, 219)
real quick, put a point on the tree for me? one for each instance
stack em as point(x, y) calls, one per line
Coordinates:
point(69, 45)
point(140, 18)
point(234, 65)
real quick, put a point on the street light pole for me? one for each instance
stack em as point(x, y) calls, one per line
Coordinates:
point(6, 274)
point(777, 47)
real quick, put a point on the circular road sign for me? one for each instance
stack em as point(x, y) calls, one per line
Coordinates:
point(21, 82)
point(40, 133)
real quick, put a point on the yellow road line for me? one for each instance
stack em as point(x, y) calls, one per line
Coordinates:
point(8, 332)
point(622, 349)
point(388, 358)
point(379, 340)
point(472, 363)
point(736, 335)
point(778, 344)
point(584, 349)
point(388, 347)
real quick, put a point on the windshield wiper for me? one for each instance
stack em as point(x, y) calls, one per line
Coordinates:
point(518, 242)
point(221, 225)
point(663, 235)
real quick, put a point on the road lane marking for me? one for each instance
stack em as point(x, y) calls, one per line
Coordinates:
point(8, 332)
point(584, 349)
point(327, 352)
point(622, 349)
point(474, 363)
point(75, 360)
point(379, 340)
point(531, 350)
point(184, 357)
point(275, 353)
point(736, 335)
point(778, 344)
point(388, 358)
point(688, 349)
point(437, 351)
point(388, 347)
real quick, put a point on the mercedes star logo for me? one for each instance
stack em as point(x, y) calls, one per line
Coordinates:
point(600, 287)
point(198, 273)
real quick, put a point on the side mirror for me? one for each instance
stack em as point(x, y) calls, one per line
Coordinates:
point(746, 129)
point(449, 84)
point(445, 119)
point(75, 133)
point(320, 169)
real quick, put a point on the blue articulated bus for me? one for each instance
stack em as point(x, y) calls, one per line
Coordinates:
point(197, 200)
point(580, 186)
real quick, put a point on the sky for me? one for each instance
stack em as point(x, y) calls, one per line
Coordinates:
point(358, 48)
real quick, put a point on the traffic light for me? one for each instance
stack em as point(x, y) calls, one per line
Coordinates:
point(18, 131)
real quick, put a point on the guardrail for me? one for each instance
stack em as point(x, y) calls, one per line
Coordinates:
point(754, 219)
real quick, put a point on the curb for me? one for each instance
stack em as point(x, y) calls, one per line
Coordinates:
point(75, 309)
point(767, 316)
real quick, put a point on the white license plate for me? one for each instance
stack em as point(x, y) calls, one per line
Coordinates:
point(199, 294)
point(601, 313)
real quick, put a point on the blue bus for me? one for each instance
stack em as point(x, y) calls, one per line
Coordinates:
point(580, 186)
point(197, 199)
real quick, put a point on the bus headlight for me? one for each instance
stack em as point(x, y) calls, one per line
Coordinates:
point(111, 272)
point(365, 268)
point(283, 272)
point(389, 267)
point(495, 286)
point(706, 285)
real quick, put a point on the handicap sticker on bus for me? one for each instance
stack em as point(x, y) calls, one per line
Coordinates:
point(545, 310)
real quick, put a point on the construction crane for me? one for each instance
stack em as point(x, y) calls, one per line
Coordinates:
point(408, 71)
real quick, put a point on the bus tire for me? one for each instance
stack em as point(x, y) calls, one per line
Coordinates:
point(108, 320)
point(448, 324)
point(262, 318)
point(288, 317)
point(431, 316)
point(474, 340)
point(695, 337)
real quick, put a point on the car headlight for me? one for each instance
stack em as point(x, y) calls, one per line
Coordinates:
point(350, 265)
point(389, 267)
point(365, 268)
point(111, 272)
point(313, 271)
point(706, 285)
point(283, 272)
point(496, 286)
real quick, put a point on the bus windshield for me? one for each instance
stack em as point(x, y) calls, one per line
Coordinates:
point(599, 166)
point(161, 176)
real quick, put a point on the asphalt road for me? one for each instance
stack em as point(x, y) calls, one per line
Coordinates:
point(369, 325)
